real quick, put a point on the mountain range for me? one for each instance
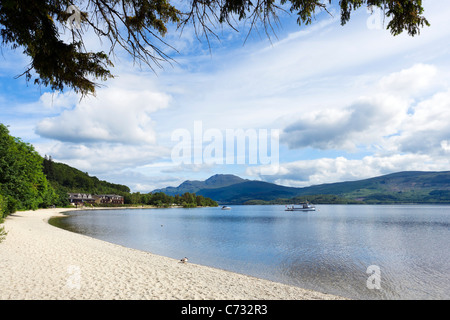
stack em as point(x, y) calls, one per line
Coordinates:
point(401, 187)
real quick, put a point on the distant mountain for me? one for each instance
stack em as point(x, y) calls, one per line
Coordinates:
point(249, 190)
point(194, 186)
point(401, 187)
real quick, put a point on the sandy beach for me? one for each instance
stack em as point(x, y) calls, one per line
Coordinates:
point(40, 261)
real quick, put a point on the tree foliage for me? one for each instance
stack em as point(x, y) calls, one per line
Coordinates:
point(140, 26)
point(23, 184)
point(64, 177)
point(160, 199)
point(2, 207)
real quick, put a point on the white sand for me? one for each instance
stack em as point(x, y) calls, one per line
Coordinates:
point(39, 261)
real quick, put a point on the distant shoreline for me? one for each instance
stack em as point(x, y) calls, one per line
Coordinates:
point(40, 261)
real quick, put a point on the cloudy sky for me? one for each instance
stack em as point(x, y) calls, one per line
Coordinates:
point(339, 102)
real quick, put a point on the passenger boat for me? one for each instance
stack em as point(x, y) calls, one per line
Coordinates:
point(301, 207)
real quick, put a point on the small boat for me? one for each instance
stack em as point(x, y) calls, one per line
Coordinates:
point(226, 208)
point(301, 207)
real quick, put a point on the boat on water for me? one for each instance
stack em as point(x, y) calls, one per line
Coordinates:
point(301, 207)
point(226, 208)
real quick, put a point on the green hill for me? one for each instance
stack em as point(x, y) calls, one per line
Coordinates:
point(408, 186)
point(66, 178)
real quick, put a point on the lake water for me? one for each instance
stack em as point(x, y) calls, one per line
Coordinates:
point(356, 251)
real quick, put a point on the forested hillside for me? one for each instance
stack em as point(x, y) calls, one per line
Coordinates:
point(66, 178)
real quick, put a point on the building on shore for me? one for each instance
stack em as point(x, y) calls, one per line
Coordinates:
point(86, 198)
point(109, 198)
point(81, 198)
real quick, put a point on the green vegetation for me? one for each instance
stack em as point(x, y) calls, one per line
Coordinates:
point(64, 179)
point(401, 187)
point(436, 196)
point(2, 208)
point(316, 199)
point(249, 190)
point(364, 196)
point(160, 199)
point(23, 185)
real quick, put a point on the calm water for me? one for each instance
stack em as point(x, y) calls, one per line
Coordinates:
point(328, 250)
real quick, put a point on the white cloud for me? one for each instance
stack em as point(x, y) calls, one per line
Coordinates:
point(426, 128)
point(314, 68)
point(108, 134)
point(57, 101)
point(404, 121)
point(365, 122)
point(410, 82)
point(105, 157)
point(445, 144)
point(328, 170)
point(394, 117)
point(119, 113)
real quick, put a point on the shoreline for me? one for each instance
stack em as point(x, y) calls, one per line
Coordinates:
point(41, 261)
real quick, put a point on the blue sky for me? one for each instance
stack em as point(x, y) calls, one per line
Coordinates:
point(349, 102)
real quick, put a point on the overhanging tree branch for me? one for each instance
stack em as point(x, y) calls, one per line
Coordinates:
point(139, 26)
